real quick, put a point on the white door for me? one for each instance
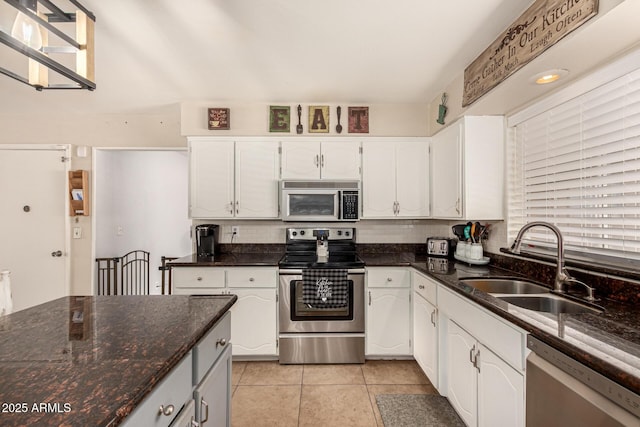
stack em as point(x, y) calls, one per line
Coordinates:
point(248, 336)
point(378, 179)
point(257, 172)
point(211, 179)
point(412, 179)
point(300, 159)
point(462, 389)
point(33, 244)
point(446, 173)
point(500, 392)
point(389, 322)
point(340, 160)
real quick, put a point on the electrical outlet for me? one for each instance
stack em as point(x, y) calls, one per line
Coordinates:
point(235, 230)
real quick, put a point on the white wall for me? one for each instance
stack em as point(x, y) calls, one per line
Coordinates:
point(141, 204)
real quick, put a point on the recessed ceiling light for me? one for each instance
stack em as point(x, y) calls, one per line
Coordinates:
point(548, 76)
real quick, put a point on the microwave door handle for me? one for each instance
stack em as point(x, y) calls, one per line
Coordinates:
point(339, 207)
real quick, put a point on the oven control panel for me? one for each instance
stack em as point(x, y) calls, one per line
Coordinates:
point(313, 233)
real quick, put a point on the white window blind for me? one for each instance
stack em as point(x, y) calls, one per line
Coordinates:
point(578, 166)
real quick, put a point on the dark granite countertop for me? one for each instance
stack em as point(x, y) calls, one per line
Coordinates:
point(608, 342)
point(94, 368)
point(256, 259)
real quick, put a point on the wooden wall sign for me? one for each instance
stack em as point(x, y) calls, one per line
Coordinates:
point(219, 118)
point(358, 119)
point(279, 118)
point(319, 119)
point(541, 26)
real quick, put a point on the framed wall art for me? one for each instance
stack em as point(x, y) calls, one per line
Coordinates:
point(279, 118)
point(319, 119)
point(358, 119)
point(218, 118)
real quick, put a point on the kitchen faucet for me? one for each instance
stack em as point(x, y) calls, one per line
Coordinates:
point(562, 275)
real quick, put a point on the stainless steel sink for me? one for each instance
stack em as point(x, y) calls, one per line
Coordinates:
point(505, 286)
point(549, 304)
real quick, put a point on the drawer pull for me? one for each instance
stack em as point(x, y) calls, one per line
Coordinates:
point(420, 286)
point(199, 279)
point(166, 410)
point(221, 342)
point(389, 279)
point(251, 279)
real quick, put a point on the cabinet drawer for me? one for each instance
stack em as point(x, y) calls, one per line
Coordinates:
point(425, 287)
point(198, 277)
point(500, 336)
point(388, 277)
point(251, 277)
point(210, 347)
point(174, 389)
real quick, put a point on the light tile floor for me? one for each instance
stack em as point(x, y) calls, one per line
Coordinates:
point(270, 394)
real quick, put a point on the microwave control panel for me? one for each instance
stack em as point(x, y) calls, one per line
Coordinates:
point(349, 205)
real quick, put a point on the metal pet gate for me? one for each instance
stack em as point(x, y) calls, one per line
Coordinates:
point(125, 275)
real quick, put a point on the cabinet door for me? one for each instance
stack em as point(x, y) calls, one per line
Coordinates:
point(186, 417)
point(257, 173)
point(378, 179)
point(500, 392)
point(211, 179)
point(213, 394)
point(425, 337)
point(389, 322)
point(300, 159)
point(462, 377)
point(412, 179)
point(251, 336)
point(340, 160)
point(446, 175)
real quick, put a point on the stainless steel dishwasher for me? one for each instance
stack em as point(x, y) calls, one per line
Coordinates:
point(563, 392)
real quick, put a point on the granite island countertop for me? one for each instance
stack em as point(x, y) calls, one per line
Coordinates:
point(229, 259)
point(89, 361)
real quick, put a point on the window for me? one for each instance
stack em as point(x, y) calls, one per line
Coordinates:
point(577, 165)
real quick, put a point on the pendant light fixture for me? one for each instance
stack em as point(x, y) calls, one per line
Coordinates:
point(25, 29)
point(38, 35)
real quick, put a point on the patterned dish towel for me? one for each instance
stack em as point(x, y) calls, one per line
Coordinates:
point(325, 288)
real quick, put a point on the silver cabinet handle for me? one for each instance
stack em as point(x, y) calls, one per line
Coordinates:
point(165, 410)
point(251, 279)
point(322, 160)
point(199, 279)
point(398, 210)
point(206, 407)
point(420, 286)
point(433, 315)
point(221, 342)
point(389, 279)
point(476, 361)
point(231, 207)
point(471, 353)
point(458, 206)
point(369, 297)
point(56, 254)
point(316, 160)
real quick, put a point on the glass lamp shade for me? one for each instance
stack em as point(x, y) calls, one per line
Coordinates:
point(27, 31)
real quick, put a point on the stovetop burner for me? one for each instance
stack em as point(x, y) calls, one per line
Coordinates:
point(301, 248)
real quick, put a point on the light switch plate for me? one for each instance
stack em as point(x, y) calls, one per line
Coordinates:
point(77, 232)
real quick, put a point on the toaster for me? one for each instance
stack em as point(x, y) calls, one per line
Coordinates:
point(441, 247)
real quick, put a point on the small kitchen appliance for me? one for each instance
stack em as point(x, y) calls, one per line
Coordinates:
point(320, 201)
point(441, 247)
point(206, 239)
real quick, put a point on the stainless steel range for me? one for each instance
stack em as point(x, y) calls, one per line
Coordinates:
point(321, 312)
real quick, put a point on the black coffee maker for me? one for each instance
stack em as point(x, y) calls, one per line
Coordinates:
point(207, 239)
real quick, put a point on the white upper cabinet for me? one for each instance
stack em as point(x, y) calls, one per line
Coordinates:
point(467, 165)
point(310, 159)
point(395, 178)
point(211, 187)
point(233, 179)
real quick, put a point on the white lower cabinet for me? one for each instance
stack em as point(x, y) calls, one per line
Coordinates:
point(212, 394)
point(425, 337)
point(482, 388)
point(388, 313)
point(254, 328)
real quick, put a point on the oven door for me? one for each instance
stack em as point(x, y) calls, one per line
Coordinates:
point(310, 205)
point(296, 316)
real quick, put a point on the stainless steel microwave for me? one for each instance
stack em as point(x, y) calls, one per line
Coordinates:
point(320, 200)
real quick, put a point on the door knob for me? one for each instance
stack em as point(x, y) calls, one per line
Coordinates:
point(56, 253)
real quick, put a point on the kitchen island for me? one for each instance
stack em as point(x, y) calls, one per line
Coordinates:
point(90, 361)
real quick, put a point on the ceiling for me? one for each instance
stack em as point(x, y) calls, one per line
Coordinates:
point(154, 53)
